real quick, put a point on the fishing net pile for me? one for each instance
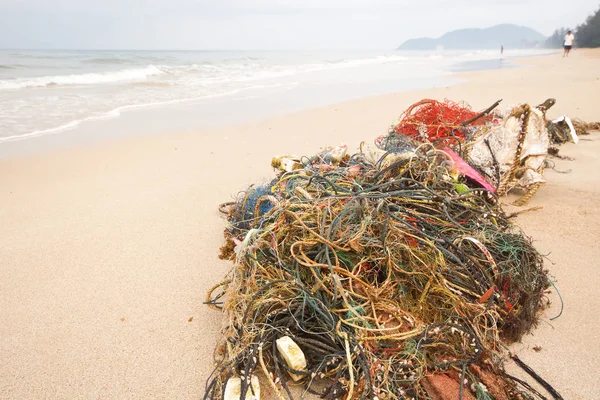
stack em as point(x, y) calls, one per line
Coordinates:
point(508, 150)
point(386, 274)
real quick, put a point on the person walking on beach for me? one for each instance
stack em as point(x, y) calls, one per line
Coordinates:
point(568, 44)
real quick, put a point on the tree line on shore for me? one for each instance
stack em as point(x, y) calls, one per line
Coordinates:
point(587, 34)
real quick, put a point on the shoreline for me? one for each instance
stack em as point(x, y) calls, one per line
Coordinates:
point(110, 247)
point(130, 120)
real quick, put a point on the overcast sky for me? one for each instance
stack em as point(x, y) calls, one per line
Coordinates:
point(264, 24)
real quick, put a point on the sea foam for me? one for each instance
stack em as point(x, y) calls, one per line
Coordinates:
point(131, 74)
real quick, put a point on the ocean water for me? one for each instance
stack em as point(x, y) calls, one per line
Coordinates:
point(46, 92)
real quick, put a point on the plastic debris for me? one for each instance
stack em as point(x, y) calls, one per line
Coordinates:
point(293, 356)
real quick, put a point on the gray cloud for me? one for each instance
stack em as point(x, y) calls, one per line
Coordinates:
point(264, 24)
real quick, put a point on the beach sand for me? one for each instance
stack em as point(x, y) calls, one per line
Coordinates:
point(107, 250)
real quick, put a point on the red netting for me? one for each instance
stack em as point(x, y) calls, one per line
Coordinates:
point(430, 120)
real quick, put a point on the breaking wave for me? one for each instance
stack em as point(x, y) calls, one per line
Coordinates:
point(132, 74)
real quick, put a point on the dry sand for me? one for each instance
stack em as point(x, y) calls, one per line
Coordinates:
point(107, 250)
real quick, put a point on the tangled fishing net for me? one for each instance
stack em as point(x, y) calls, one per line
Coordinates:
point(386, 274)
point(436, 121)
point(509, 152)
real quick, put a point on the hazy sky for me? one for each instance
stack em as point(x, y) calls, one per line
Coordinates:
point(264, 24)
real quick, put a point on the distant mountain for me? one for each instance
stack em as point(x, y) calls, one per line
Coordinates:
point(507, 35)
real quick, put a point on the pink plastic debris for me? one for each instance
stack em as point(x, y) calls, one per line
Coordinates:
point(465, 169)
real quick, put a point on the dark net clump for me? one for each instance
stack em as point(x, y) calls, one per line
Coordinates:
point(393, 275)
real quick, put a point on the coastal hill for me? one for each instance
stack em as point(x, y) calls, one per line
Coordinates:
point(507, 35)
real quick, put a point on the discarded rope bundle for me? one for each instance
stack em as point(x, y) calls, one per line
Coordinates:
point(564, 129)
point(584, 128)
point(378, 275)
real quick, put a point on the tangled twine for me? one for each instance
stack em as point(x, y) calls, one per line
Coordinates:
point(394, 277)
